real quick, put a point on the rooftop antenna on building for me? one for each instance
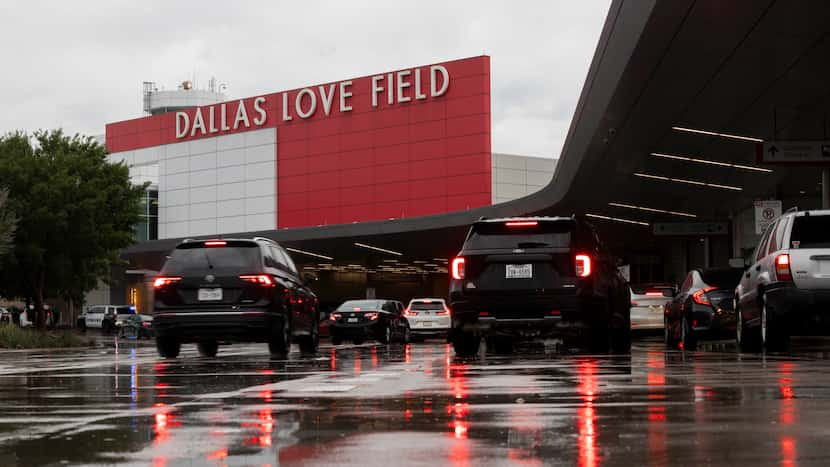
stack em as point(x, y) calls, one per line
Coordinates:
point(149, 89)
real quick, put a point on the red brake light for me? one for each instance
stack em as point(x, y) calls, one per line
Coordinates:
point(216, 243)
point(163, 281)
point(521, 224)
point(458, 267)
point(782, 267)
point(261, 279)
point(409, 312)
point(633, 303)
point(583, 265)
point(373, 315)
point(334, 316)
point(700, 297)
point(446, 311)
point(654, 294)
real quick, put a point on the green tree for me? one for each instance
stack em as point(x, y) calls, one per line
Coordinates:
point(8, 224)
point(75, 212)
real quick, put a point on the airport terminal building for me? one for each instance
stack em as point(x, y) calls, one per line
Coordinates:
point(393, 145)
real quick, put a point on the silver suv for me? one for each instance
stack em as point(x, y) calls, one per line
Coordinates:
point(787, 288)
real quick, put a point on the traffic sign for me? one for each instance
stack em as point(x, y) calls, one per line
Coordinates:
point(815, 152)
point(765, 214)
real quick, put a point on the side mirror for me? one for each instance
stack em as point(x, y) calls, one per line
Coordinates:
point(309, 278)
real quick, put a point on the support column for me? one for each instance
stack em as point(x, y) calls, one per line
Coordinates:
point(825, 188)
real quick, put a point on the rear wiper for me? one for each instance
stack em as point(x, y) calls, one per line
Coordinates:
point(207, 257)
point(533, 245)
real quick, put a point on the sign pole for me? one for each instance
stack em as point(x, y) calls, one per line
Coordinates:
point(825, 188)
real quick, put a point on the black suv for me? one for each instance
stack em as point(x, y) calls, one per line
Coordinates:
point(536, 277)
point(233, 290)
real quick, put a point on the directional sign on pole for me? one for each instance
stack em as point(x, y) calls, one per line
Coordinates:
point(794, 152)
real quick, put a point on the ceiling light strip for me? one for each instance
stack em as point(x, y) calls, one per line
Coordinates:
point(382, 250)
point(617, 219)
point(643, 208)
point(303, 252)
point(710, 162)
point(688, 182)
point(714, 133)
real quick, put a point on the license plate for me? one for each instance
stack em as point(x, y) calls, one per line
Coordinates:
point(351, 320)
point(206, 295)
point(519, 271)
point(655, 308)
point(426, 324)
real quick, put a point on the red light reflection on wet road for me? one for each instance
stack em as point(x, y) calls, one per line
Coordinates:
point(586, 416)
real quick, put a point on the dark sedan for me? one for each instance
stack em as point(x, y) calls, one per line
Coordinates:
point(703, 308)
point(359, 320)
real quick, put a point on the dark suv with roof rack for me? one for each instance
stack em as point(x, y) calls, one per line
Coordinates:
point(233, 290)
point(537, 277)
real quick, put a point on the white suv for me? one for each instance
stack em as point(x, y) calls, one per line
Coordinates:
point(787, 288)
point(428, 317)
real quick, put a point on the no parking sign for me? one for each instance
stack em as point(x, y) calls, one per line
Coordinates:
point(765, 214)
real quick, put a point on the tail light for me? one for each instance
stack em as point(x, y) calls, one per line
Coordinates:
point(458, 268)
point(145, 324)
point(372, 315)
point(633, 303)
point(163, 281)
point(700, 297)
point(521, 224)
point(782, 267)
point(445, 312)
point(216, 243)
point(262, 279)
point(583, 265)
point(334, 316)
point(409, 312)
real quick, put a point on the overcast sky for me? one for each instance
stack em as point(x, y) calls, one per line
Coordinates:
point(79, 65)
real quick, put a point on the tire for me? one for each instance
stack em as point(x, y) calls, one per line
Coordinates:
point(599, 339)
point(386, 336)
point(407, 336)
point(668, 339)
point(687, 335)
point(621, 338)
point(168, 347)
point(280, 341)
point(208, 349)
point(309, 344)
point(358, 340)
point(336, 339)
point(747, 339)
point(774, 333)
point(465, 344)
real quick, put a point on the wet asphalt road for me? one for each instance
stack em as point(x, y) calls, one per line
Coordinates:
point(416, 405)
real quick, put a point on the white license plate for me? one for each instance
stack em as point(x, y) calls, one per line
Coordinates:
point(207, 295)
point(518, 271)
point(656, 308)
point(351, 320)
point(427, 324)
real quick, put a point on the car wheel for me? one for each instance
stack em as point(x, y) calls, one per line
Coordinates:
point(358, 341)
point(668, 336)
point(280, 341)
point(407, 336)
point(747, 339)
point(168, 347)
point(465, 343)
point(774, 334)
point(208, 349)
point(336, 339)
point(621, 338)
point(309, 344)
point(687, 335)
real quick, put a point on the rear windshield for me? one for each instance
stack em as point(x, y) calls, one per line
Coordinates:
point(427, 306)
point(363, 305)
point(496, 235)
point(724, 278)
point(653, 290)
point(811, 232)
point(239, 256)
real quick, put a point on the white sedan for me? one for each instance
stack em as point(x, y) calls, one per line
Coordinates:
point(648, 303)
